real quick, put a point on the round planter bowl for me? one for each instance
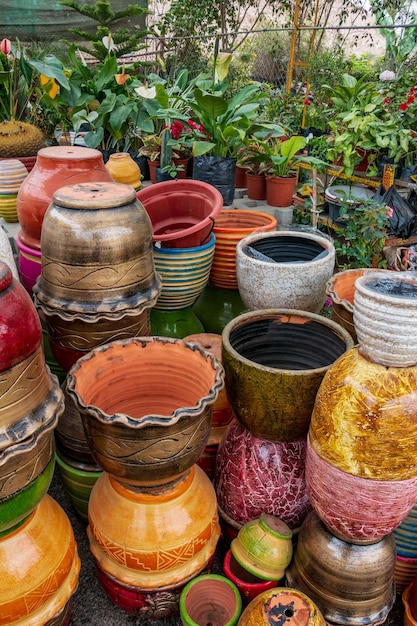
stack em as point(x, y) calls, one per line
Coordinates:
point(274, 362)
point(385, 318)
point(255, 476)
point(350, 584)
point(284, 269)
point(182, 211)
point(291, 606)
point(378, 507)
point(248, 584)
point(210, 599)
point(230, 226)
point(146, 406)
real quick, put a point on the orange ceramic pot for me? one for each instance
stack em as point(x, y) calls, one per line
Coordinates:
point(123, 169)
point(289, 605)
point(55, 167)
point(146, 406)
point(158, 538)
point(230, 226)
point(39, 568)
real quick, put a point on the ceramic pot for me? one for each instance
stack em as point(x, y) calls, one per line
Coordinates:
point(350, 584)
point(256, 185)
point(123, 169)
point(384, 315)
point(409, 619)
point(176, 324)
point(182, 212)
point(78, 481)
point(256, 476)
point(210, 599)
point(39, 568)
point(230, 226)
point(7, 253)
point(29, 263)
point(280, 190)
point(284, 269)
point(12, 175)
point(159, 537)
point(405, 535)
point(184, 273)
point(405, 572)
point(378, 507)
point(146, 406)
point(291, 606)
point(361, 408)
point(264, 547)
point(215, 307)
point(248, 584)
point(275, 361)
point(55, 167)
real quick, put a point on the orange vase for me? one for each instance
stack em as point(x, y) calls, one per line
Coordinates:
point(123, 169)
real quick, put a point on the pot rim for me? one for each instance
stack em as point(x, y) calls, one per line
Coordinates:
point(202, 578)
point(361, 285)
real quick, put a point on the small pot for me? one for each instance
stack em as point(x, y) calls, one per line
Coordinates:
point(210, 599)
point(290, 606)
point(248, 584)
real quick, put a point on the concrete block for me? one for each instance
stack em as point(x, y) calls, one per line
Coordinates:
point(283, 215)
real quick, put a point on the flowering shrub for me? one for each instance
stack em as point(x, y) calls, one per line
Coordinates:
point(184, 135)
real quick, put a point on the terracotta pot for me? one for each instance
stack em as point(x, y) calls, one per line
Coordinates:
point(40, 555)
point(12, 175)
point(152, 170)
point(240, 177)
point(182, 212)
point(230, 226)
point(377, 508)
point(181, 174)
point(275, 361)
point(350, 584)
point(148, 424)
point(248, 584)
point(123, 169)
point(256, 184)
point(264, 547)
point(256, 476)
point(176, 324)
point(290, 605)
point(164, 536)
point(384, 315)
point(284, 269)
point(215, 307)
point(184, 273)
point(360, 409)
point(210, 599)
point(55, 167)
point(279, 191)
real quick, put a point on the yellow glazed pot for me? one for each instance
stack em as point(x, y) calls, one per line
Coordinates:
point(289, 605)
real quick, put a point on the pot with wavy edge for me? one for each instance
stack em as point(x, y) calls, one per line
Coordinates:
point(274, 362)
point(146, 406)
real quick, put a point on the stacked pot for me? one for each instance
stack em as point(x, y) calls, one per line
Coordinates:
point(37, 545)
point(361, 472)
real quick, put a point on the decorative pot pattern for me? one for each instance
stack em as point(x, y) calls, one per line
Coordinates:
point(256, 476)
point(12, 175)
point(275, 361)
point(284, 269)
point(291, 606)
point(30, 264)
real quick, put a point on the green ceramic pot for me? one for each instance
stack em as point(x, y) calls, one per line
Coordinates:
point(216, 307)
point(177, 324)
point(210, 599)
point(78, 484)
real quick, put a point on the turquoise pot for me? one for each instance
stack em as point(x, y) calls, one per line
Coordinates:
point(176, 324)
point(216, 307)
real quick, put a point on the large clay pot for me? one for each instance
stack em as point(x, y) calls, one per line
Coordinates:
point(210, 599)
point(39, 568)
point(146, 406)
point(385, 318)
point(280, 190)
point(291, 606)
point(284, 269)
point(123, 169)
point(256, 476)
point(275, 361)
point(12, 175)
point(230, 226)
point(55, 167)
point(350, 584)
point(159, 538)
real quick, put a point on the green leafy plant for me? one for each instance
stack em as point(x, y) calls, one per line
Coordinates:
point(283, 156)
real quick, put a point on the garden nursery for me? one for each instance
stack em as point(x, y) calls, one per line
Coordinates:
point(208, 326)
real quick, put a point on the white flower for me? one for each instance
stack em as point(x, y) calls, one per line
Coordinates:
point(387, 75)
point(146, 92)
point(108, 42)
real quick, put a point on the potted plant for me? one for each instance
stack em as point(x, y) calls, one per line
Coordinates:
point(251, 156)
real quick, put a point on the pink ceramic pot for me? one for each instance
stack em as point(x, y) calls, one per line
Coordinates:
point(29, 264)
point(255, 476)
point(249, 585)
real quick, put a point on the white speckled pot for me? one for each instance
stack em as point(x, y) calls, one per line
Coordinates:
point(385, 318)
point(284, 269)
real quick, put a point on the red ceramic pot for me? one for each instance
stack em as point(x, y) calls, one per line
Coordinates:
point(280, 190)
point(249, 585)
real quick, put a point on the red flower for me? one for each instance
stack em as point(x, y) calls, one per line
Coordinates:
point(307, 102)
point(176, 129)
point(413, 90)
point(411, 99)
point(5, 46)
point(403, 106)
point(386, 100)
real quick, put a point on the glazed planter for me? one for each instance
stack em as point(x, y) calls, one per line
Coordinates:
point(280, 190)
point(40, 555)
point(256, 185)
point(159, 538)
point(29, 264)
point(377, 508)
point(12, 175)
point(409, 619)
point(405, 571)
point(215, 307)
point(146, 406)
point(362, 409)
point(350, 584)
point(55, 167)
point(184, 273)
point(248, 584)
point(255, 476)
point(284, 269)
point(275, 361)
point(291, 606)
point(385, 317)
point(263, 547)
point(78, 481)
point(210, 599)
point(230, 226)
point(405, 535)
point(177, 323)
point(6, 253)
point(182, 212)
point(123, 169)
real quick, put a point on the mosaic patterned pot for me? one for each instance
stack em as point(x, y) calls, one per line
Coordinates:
point(280, 603)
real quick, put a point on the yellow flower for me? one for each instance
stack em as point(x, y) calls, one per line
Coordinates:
point(50, 86)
